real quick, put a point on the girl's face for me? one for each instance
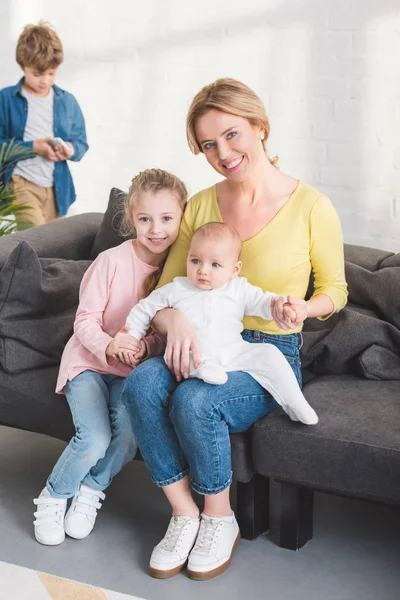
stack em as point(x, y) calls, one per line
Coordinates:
point(156, 218)
point(231, 144)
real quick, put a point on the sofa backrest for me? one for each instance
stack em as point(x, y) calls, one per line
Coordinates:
point(368, 258)
point(70, 238)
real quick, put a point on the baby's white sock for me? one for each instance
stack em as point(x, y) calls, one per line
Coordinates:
point(210, 373)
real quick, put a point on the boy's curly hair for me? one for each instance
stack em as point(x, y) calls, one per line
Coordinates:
point(39, 47)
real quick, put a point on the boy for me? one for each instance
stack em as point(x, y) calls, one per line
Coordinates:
point(34, 112)
point(215, 301)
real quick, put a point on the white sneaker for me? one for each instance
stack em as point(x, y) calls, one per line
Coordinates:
point(49, 522)
point(81, 516)
point(217, 539)
point(170, 555)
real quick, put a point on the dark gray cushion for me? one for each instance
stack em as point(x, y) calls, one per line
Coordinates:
point(354, 449)
point(70, 238)
point(391, 261)
point(355, 342)
point(377, 290)
point(368, 258)
point(364, 338)
point(108, 234)
point(38, 302)
point(28, 401)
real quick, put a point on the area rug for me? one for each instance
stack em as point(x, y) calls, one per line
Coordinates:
point(19, 583)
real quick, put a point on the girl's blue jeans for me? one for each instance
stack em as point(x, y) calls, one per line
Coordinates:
point(185, 428)
point(103, 441)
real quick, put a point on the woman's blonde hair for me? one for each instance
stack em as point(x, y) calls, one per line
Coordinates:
point(151, 180)
point(229, 96)
point(39, 47)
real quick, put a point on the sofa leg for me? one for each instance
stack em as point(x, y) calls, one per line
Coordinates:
point(252, 509)
point(292, 520)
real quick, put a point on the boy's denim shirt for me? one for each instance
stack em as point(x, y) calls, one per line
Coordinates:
point(68, 124)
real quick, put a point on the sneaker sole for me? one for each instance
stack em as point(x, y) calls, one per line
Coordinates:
point(78, 536)
point(52, 543)
point(204, 575)
point(166, 573)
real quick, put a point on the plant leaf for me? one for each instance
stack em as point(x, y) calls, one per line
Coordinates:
point(10, 154)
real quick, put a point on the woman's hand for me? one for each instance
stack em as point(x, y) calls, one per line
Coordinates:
point(290, 314)
point(182, 344)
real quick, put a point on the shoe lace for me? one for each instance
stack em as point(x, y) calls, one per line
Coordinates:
point(173, 536)
point(88, 503)
point(208, 534)
point(50, 511)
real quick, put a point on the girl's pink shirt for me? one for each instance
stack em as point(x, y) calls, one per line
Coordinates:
point(111, 286)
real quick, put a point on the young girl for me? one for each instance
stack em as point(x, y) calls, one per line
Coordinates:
point(98, 357)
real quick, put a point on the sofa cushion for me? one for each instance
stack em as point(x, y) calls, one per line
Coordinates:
point(377, 290)
point(38, 302)
point(70, 238)
point(109, 234)
point(368, 258)
point(28, 401)
point(364, 338)
point(354, 449)
point(355, 341)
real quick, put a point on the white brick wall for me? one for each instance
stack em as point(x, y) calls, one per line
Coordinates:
point(328, 73)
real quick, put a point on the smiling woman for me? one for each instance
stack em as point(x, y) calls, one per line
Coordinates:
point(234, 149)
point(229, 97)
point(288, 230)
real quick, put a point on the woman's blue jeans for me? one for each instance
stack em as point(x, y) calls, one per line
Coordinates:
point(103, 441)
point(185, 428)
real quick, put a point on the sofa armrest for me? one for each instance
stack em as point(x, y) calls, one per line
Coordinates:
point(70, 238)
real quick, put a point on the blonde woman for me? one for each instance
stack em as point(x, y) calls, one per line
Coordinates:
point(288, 230)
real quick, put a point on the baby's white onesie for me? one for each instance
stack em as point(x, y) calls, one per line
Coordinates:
point(217, 315)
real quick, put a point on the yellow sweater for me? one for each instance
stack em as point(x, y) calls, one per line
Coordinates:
point(304, 235)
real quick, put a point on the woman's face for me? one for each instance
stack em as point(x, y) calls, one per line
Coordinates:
point(231, 144)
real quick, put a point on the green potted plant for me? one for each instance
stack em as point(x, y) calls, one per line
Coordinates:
point(10, 154)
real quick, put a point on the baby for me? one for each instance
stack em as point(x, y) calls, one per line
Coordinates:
point(215, 300)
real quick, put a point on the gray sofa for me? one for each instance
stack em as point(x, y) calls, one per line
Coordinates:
point(354, 450)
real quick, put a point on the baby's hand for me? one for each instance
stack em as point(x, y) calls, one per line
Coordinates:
point(282, 318)
point(295, 309)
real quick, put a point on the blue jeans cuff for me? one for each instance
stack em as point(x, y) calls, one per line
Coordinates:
point(174, 479)
point(204, 491)
point(54, 494)
point(88, 480)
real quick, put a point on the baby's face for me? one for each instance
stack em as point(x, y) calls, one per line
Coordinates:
point(211, 263)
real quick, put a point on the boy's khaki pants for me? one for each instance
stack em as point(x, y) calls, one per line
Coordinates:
point(41, 200)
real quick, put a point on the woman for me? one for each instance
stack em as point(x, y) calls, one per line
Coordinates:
point(288, 229)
